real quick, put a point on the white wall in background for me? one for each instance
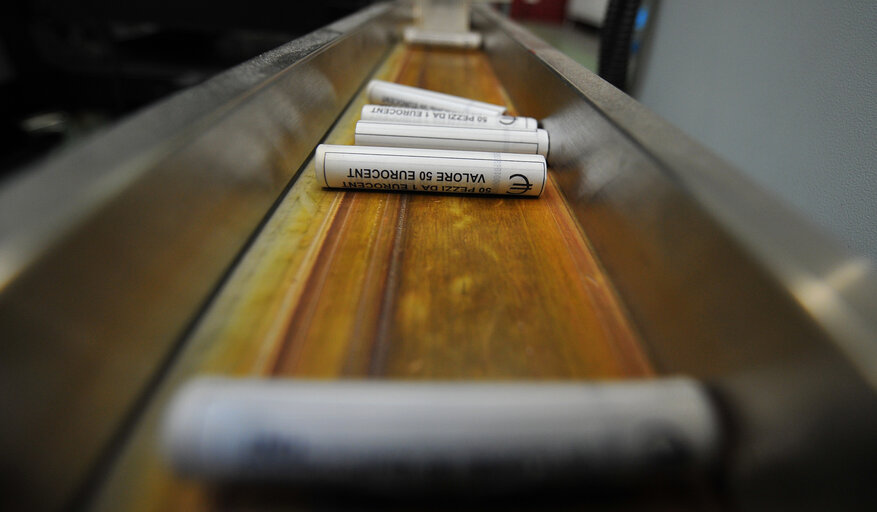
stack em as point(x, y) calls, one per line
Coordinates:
point(784, 89)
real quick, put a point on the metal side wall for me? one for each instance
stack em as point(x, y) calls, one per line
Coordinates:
point(723, 282)
point(108, 251)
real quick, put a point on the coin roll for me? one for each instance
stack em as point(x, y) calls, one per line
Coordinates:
point(388, 93)
point(407, 115)
point(376, 133)
point(430, 170)
point(313, 431)
point(415, 35)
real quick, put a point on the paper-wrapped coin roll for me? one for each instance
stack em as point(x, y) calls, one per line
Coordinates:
point(371, 431)
point(377, 133)
point(429, 170)
point(408, 115)
point(388, 93)
point(414, 35)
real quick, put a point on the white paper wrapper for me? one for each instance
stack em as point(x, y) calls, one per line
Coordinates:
point(430, 170)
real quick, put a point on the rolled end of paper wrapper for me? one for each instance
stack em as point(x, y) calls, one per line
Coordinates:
point(183, 424)
point(319, 162)
point(529, 123)
point(370, 91)
point(542, 142)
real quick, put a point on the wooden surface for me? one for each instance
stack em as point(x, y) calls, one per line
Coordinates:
point(413, 286)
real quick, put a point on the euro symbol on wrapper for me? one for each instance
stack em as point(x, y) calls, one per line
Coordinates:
point(519, 187)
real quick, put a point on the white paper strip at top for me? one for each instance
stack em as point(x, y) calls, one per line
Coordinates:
point(403, 115)
point(308, 431)
point(387, 93)
point(376, 133)
point(430, 170)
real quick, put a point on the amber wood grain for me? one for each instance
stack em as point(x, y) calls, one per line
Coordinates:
point(384, 285)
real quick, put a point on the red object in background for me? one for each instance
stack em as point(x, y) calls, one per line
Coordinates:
point(553, 11)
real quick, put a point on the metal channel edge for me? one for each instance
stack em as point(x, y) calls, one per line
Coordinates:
point(723, 281)
point(109, 249)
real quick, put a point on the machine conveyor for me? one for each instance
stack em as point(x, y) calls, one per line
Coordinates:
point(193, 239)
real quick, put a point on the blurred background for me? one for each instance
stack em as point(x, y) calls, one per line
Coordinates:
point(782, 89)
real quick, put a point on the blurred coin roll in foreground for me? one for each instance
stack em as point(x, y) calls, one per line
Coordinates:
point(392, 114)
point(388, 93)
point(429, 170)
point(366, 431)
point(376, 133)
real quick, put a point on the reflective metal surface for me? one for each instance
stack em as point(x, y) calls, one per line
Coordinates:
point(108, 251)
point(722, 280)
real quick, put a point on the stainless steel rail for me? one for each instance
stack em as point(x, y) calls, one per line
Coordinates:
point(109, 250)
point(722, 280)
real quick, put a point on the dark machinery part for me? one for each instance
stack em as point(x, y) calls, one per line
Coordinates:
point(616, 37)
